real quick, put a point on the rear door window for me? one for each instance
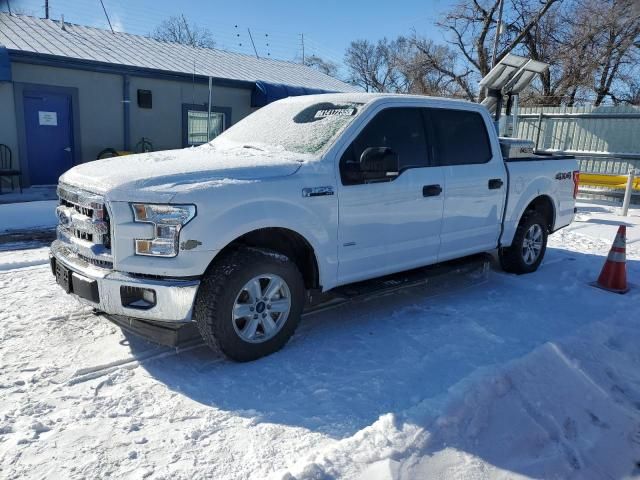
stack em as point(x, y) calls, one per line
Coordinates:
point(461, 137)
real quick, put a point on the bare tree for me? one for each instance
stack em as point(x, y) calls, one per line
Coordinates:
point(439, 70)
point(178, 30)
point(590, 47)
point(325, 66)
point(620, 31)
point(374, 67)
point(471, 27)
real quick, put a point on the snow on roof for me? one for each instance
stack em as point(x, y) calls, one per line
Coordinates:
point(22, 33)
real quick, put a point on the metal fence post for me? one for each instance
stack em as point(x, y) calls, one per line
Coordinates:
point(627, 192)
point(539, 130)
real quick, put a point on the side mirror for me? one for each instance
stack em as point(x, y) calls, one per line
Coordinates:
point(378, 163)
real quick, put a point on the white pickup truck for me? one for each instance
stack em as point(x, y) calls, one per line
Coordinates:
point(306, 194)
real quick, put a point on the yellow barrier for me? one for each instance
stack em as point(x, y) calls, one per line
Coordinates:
point(611, 181)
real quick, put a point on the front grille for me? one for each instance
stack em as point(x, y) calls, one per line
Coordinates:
point(84, 226)
point(97, 263)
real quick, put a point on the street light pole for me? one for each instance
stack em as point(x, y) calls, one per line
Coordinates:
point(496, 37)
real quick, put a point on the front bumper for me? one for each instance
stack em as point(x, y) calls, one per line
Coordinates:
point(102, 289)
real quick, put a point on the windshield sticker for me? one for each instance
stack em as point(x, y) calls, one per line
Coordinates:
point(324, 110)
point(337, 112)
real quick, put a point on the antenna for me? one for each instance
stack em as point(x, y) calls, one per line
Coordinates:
point(302, 40)
point(62, 22)
point(46, 9)
point(254, 45)
point(106, 15)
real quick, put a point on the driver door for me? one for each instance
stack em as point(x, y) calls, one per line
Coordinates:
point(390, 225)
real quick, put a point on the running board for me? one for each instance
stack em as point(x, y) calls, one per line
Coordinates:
point(435, 279)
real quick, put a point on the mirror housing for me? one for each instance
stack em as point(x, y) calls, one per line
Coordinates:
point(379, 163)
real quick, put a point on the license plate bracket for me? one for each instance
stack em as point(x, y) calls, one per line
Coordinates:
point(63, 277)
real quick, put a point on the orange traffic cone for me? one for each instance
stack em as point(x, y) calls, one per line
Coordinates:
point(613, 277)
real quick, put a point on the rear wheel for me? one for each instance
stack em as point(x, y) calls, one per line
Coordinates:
point(528, 247)
point(249, 303)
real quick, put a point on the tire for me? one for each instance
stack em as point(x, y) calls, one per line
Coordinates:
point(229, 290)
point(519, 259)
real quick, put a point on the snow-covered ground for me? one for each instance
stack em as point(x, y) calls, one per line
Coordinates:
point(28, 215)
point(521, 376)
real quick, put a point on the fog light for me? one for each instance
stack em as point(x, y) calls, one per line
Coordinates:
point(136, 297)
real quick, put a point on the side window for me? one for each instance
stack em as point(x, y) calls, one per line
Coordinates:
point(461, 137)
point(401, 129)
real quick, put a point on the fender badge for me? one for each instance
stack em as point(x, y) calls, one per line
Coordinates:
point(317, 191)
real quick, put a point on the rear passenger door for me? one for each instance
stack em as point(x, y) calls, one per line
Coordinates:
point(392, 225)
point(475, 182)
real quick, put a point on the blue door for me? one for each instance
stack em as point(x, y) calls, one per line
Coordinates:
point(49, 137)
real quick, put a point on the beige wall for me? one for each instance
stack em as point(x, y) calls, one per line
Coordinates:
point(163, 123)
point(8, 132)
point(99, 99)
point(101, 112)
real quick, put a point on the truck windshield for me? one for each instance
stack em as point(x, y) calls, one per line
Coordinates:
point(291, 125)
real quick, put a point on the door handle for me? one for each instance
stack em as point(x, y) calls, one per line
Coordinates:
point(68, 149)
point(431, 190)
point(495, 183)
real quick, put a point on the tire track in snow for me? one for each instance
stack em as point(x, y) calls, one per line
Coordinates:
point(85, 374)
point(13, 267)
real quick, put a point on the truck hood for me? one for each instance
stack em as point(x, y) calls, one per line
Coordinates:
point(159, 176)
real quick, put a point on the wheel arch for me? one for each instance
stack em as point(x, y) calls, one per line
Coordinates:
point(286, 242)
point(540, 202)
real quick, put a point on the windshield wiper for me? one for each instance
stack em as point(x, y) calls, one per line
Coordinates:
point(254, 147)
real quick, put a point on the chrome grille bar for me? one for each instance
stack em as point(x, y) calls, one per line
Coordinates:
point(84, 225)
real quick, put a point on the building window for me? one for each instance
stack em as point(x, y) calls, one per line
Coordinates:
point(197, 126)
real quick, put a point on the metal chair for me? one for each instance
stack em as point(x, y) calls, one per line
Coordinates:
point(6, 170)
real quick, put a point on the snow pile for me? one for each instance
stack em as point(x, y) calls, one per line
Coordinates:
point(566, 410)
point(534, 376)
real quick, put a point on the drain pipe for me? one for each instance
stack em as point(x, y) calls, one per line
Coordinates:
point(126, 110)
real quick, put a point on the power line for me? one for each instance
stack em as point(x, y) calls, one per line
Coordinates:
point(107, 15)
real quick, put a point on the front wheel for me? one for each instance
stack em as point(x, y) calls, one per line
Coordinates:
point(249, 303)
point(528, 247)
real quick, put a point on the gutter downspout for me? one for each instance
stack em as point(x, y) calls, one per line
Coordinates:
point(126, 110)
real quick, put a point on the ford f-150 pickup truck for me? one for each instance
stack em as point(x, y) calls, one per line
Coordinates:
point(306, 194)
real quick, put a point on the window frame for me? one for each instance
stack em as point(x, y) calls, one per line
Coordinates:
point(437, 141)
point(430, 148)
point(201, 107)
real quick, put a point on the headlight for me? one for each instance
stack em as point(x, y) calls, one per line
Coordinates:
point(167, 222)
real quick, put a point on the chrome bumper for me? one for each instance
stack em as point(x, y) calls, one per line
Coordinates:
point(174, 298)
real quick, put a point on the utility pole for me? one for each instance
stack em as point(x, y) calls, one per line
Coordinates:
point(46, 9)
point(496, 38)
point(254, 45)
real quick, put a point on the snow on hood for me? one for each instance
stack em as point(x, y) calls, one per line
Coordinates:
point(158, 176)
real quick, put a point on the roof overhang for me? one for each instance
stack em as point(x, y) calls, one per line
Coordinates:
point(117, 69)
